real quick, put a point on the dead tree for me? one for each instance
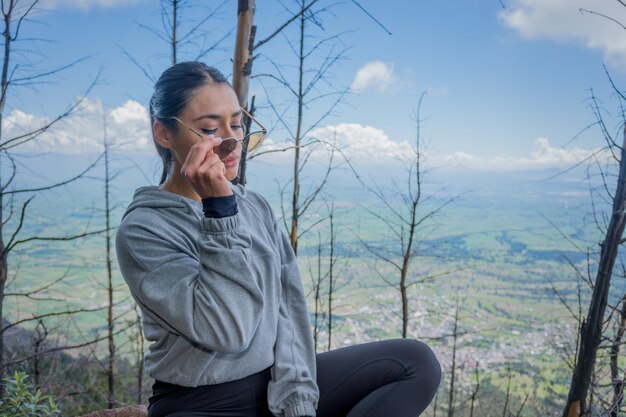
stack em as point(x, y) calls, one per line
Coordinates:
point(404, 220)
point(592, 327)
point(109, 268)
point(453, 366)
point(617, 380)
point(324, 280)
point(245, 53)
point(14, 15)
point(332, 284)
point(318, 279)
point(508, 393)
point(302, 81)
point(475, 391)
point(140, 355)
point(183, 30)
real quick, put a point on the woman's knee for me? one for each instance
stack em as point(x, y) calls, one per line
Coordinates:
point(421, 362)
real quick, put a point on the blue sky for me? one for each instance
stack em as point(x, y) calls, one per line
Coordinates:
point(504, 88)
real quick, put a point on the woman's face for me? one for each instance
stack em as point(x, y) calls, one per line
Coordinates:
point(212, 110)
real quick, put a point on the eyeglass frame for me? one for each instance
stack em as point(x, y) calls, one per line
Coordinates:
point(242, 140)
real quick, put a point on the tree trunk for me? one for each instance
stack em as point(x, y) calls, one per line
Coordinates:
point(174, 29)
point(318, 284)
point(3, 254)
point(242, 62)
point(295, 204)
point(140, 357)
point(475, 392)
point(453, 370)
point(591, 330)
point(616, 378)
point(107, 211)
point(331, 282)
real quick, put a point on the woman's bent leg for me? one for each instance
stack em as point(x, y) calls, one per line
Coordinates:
point(396, 378)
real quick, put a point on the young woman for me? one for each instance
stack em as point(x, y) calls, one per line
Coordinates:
point(219, 288)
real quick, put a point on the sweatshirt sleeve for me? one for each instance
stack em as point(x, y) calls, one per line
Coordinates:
point(293, 390)
point(211, 299)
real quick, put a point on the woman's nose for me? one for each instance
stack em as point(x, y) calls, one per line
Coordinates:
point(228, 132)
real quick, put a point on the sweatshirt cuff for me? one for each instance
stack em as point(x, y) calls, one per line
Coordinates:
point(300, 409)
point(218, 207)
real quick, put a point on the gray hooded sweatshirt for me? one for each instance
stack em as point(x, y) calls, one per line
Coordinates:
point(221, 298)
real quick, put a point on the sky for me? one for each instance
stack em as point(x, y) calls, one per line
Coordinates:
point(505, 85)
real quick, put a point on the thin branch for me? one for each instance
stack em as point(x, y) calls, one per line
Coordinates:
point(604, 16)
point(51, 72)
point(56, 239)
point(57, 349)
point(283, 26)
point(21, 139)
point(49, 187)
point(138, 65)
point(55, 314)
point(372, 17)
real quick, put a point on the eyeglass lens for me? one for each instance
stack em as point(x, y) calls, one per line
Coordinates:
point(228, 145)
point(254, 140)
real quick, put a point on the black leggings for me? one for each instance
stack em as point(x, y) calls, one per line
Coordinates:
point(396, 378)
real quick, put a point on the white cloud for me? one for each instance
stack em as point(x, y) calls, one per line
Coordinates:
point(375, 74)
point(86, 4)
point(127, 128)
point(562, 20)
point(364, 143)
point(365, 147)
point(544, 155)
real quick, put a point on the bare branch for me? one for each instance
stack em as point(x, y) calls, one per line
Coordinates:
point(372, 17)
point(21, 139)
point(48, 73)
point(55, 314)
point(49, 187)
point(378, 255)
point(215, 44)
point(29, 294)
point(604, 16)
point(149, 76)
point(21, 19)
point(57, 239)
point(283, 26)
point(69, 347)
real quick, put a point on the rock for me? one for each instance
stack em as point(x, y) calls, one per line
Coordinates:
point(132, 411)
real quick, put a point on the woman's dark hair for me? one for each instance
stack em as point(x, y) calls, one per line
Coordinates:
point(172, 92)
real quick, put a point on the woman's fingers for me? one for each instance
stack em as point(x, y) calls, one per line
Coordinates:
point(205, 171)
point(198, 153)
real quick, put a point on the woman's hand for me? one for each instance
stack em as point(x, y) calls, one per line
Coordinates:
point(204, 170)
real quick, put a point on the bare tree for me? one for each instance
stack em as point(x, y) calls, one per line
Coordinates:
point(474, 391)
point(332, 284)
point(404, 220)
point(303, 85)
point(617, 379)
point(508, 393)
point(245, 53)
point(15, 14)
point(451, 406)
point(592, 327)
point(140, 355)
point(183, 30)
point(318, 281)
point(109, 268)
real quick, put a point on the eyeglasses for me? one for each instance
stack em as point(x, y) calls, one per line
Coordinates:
point(253, 139)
